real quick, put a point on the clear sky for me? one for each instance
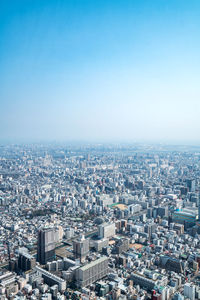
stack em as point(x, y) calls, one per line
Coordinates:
point(100, 70)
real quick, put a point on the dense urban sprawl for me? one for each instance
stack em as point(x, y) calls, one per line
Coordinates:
point(99, 222)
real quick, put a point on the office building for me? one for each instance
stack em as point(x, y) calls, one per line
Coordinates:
point(162, 211)
point(25, 261)
point(191, 185)
point(81, 248)
point(199, 208)
point(46, 245)
point(51, 279)
point(142, 281)
point(106, 230)
point(189, 291)
point(92, 272)
point(121, 246)
point(185, 216)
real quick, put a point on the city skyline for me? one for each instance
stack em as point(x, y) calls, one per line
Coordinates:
point(99, 223)
point(100, 71)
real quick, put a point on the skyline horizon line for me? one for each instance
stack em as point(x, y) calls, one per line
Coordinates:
point(99, 142)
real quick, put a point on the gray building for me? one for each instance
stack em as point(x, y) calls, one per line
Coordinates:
point(26, 261)
point(92, 272)
point(46, 245)
point(81, 248)
point(143, 281)
point(106, 230)
point(51, 279)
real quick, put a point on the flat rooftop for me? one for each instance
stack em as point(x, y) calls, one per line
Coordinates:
point(94, 263)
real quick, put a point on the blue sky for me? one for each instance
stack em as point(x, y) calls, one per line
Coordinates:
point(100, 70)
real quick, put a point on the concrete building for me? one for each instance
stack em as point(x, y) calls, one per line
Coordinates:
point(189, 291)
point(99, 244)
point(46, 245)
point(51, 279)
point(188, 217)
point(92, 272)
point(143, 281)
point(191, 185)
point(26, 261)
point(81, 248)
point(121, 246)
point(106, 230)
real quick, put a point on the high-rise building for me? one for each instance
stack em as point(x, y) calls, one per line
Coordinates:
point(149, 229)
point(162, 211)
point(81, 248)
point(58, 234)
point(178, 296)
point(199, 209)
point(189, 291)
point(191, 184)
point(92, 272)
point(25, 261)
point(46, 245)
point(106, 230)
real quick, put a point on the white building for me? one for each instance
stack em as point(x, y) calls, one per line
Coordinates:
point(189, 291)
point(106, 230)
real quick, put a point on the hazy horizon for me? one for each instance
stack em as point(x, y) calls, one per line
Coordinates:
point(100, 71)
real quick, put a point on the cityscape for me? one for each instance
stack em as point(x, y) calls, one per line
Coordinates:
point(100, 149)
point(99, 222)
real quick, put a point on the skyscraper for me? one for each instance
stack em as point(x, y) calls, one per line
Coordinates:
point(81, 248)
point(46, 245)
point(25, 260)
point(199, 208)
point(189, 291)
point(191, 184)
